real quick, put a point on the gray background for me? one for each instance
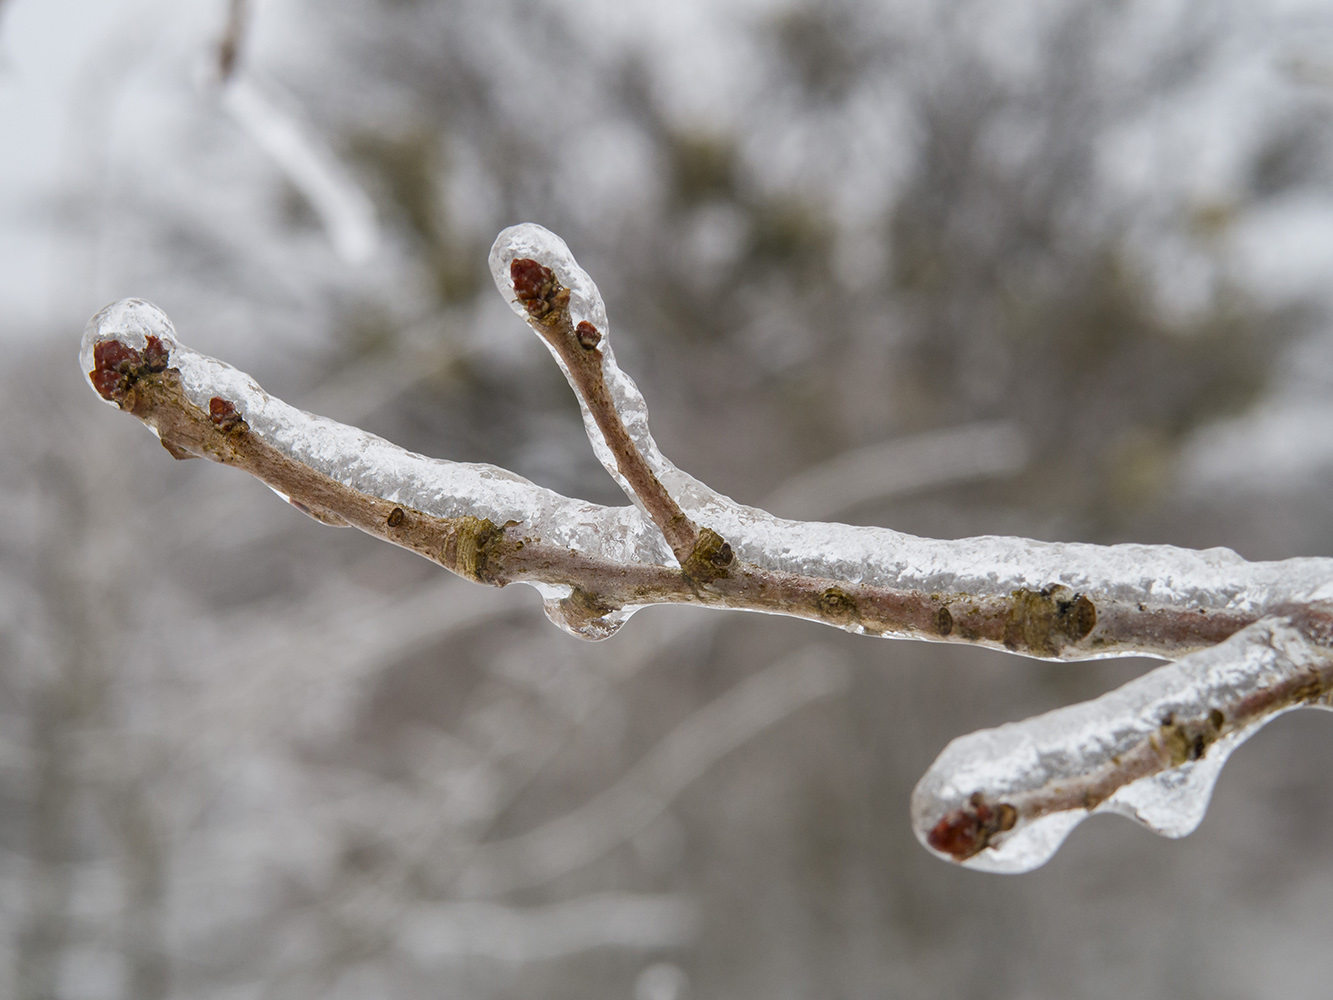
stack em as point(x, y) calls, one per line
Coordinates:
point(245, 755)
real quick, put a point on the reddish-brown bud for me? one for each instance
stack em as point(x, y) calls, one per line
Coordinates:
point(958, 834)
point(223, 413)
point(155, 355)
point(589, 336)
point(965, 832)
point(113, 365)
point(536, 287)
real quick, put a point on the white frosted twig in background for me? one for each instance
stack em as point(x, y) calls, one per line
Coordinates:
point(344, 209)
point(233, 38)
point(642, 795)
point(922, 461)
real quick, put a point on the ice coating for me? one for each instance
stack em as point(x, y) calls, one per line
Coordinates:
point(1045, 768)
point(374, 466)
point(1000, 799)
point(130, 321)
point(585, 304)
point(1153, 575)
point(534, 242)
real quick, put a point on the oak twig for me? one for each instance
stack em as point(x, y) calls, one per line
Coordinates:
point(683, 543)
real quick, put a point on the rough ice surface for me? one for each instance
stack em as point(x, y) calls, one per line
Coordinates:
point(985, 566)
point(585, 304)
point(1026, 759)
point(371, 465)
point(1011, 762)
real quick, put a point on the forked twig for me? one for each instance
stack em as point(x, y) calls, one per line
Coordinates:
point(682, 542)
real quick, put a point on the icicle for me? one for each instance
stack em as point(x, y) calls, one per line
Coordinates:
point(577, 613)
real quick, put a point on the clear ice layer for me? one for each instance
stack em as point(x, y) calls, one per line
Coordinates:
point(1216, 579)
point(984, 566)
point(374, 466)
point(1012, 761)
point(1023, 760)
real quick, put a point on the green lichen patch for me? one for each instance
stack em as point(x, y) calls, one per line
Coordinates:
point(469, 546)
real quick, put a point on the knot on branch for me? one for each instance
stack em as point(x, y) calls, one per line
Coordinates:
point(837, 606)
point(710, 560)
point(469, 547)
point(1044, 621)
point(1181, 740)
point(585, 615)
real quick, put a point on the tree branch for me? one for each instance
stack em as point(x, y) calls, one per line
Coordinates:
point(681, 542)
point(1005, 799)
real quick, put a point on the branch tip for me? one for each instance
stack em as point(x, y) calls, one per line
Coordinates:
point(535, 284)
point(545, 301)
point(966, 832)
point(117, 366)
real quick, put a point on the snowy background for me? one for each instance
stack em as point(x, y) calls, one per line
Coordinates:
point(1051, 269)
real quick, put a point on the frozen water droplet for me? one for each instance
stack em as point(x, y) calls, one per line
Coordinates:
point(1027, 847)
point(130, 321)
point(581, 614)
point(1174, 802)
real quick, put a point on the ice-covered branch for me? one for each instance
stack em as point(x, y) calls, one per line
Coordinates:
point(596, 564)
point(681, 542)
point(1005, 799)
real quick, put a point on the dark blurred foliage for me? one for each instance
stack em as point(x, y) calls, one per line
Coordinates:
point(249, 751)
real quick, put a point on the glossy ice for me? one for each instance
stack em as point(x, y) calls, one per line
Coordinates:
point(1046, 757)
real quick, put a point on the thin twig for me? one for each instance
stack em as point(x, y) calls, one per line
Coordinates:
point(704, 556)
point(596, 565)
point(1074, 761)
point(233, 38)
point(1051, 622)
